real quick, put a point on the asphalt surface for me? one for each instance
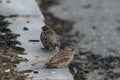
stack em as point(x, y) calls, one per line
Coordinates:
point(98, 22)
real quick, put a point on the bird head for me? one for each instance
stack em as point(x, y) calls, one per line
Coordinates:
point(70, 49)
point(44, 28)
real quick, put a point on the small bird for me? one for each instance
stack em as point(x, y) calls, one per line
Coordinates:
point(49, 38)
point(59, 59)
point(38, 2)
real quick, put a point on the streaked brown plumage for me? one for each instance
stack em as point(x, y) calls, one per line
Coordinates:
point(38, 2)
point(60, 59)
point(49, 38)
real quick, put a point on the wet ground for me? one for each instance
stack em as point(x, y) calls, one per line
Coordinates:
point(92, 26)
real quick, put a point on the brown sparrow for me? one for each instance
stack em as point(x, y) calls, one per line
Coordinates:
point(38, 2)
point(49, 38)
point(60, 59)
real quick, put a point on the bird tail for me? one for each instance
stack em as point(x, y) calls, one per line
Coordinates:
point(38, 62)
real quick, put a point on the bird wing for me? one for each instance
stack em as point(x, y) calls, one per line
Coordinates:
point(45, 38)
point(42, 36)
point(58, 57)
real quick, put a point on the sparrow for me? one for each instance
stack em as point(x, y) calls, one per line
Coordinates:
point(38, 2)
point(49, 38)
point(60, 58)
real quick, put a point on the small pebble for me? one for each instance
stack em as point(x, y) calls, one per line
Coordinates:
point(87, 6)
point(35, 72)
point(94, 27)
point(118, 28)
point(34, 40)
point(8, 1)
point(28, 21)
point(14, 65)
point(25, 28)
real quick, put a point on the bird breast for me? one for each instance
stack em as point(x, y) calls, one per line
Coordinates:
point(54, 38)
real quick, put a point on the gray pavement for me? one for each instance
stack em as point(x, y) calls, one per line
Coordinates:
point(98, 20)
